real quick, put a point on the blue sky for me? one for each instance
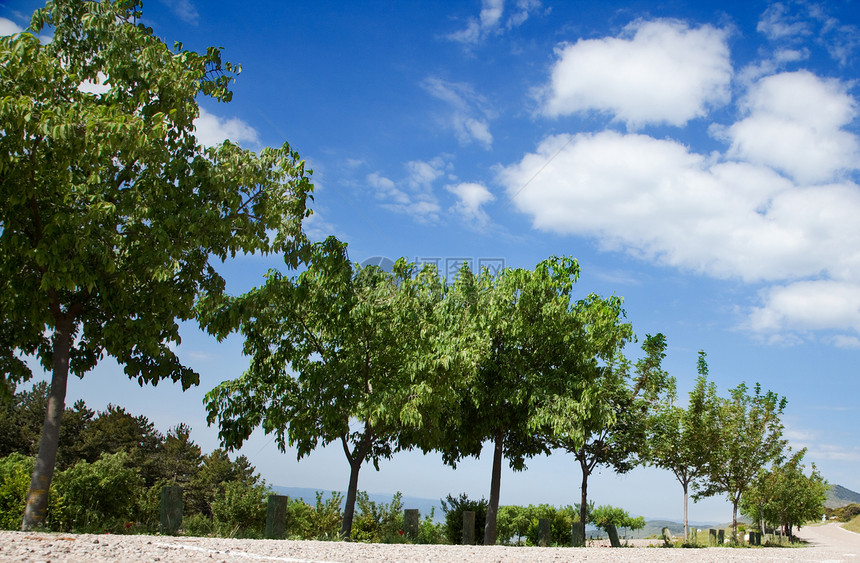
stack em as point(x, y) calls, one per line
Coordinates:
point(700, 159)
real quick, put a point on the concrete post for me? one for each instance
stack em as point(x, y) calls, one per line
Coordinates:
point(712, 536)
point(721, 537)
point(468, 527)
point(171, 509)
point(543, 532)
point(577, 535)
point(276, 517)
point(613, 536)
point(410, 519)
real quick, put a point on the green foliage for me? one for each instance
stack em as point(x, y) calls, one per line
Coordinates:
point(454, 507)
point(744, 434)
point(430, 531)
point(240, 511)
point(378, 522)
point(843, 513)
point(786, 495)
point(519, 525)
point(113, 215)
point(15, 472)
point(605, 516)
point(335, 346)
point(101, 495)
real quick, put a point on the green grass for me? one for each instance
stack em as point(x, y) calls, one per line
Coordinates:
point(853, 525)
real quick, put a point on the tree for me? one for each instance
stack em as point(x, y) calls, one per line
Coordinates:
point(676, 437)
point(603, 422)
point(527, 339)
point(744, 435)
point(786, 496)
point(339, 354)
point(111, 212)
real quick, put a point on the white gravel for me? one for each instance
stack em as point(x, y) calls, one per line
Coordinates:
point(827, 544)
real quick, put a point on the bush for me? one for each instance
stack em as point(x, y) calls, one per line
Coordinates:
point(454, 509)
point(430, 531)
point(519, 525)
point(378, 523)
point(15, 471)
point(240, 510)
point(100, 496)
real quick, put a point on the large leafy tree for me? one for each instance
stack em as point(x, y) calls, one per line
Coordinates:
point(744, 436)
point(677, 436)
point(530, 343)
point(339, 354)
point(111, 212)
point(603, 422)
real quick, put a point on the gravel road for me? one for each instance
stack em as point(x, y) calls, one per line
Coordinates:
point(827, 544)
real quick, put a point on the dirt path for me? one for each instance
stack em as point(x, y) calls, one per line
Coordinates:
point(833, 539)
point(828, 544)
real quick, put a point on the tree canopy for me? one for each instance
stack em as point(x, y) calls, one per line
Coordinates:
point(112, 215)
point(339, 353)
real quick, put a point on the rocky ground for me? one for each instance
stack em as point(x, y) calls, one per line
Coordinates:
point(826, 543)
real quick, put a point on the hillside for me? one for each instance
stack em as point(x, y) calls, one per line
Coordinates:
point(840, 496)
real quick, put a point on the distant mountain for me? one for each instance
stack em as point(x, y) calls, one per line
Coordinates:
point(840, 496)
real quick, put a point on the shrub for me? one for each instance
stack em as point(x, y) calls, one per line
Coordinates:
point(100, 496)
point(327, 517)
point(454, 509)
point(240, 510)
point(430, 531)
point(378, 522)
point(15, 471)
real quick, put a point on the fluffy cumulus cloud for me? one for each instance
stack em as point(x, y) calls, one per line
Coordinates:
point(212, 130)
point(795, 123)
point(471, 198)
point(413, 195)
point(659, 71)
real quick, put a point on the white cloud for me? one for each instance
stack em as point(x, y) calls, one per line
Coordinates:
point(212, 130)
point(414, 194)
point(807, 306)
point(656, 72)
point(184, 10)
point(491, 20)
point(778, 22)
point(471, 199)
point(95, 87)
point(795, 124)
point(8, 27)
point(469, 113)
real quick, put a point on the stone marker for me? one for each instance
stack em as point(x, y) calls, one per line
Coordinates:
point(613, 536)
point(468, 527)
point(691, 533)
point(721, 537)
point(667, 536)
point(410, 518)
point(577, 535)
point(171, 509)
point(276, 517)
point(543, 531)
point(712, 536)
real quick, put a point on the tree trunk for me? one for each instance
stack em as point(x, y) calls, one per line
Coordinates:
point(686, 531)
point(43, 472)
point(495, 486)
point(351, 492)
point(735, 520)
point(583, 499)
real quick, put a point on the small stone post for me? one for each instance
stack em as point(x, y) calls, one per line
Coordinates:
point(692, 536)
point(543, 531)
point(721, 537)
point(577, 535)
point(667, 536)
point(410, 519)
point(468, 527)
point(712, 536)
point(171, 509)
point(276, 517)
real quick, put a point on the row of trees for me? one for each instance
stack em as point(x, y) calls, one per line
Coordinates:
point(113, 219)
point(734, 446)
